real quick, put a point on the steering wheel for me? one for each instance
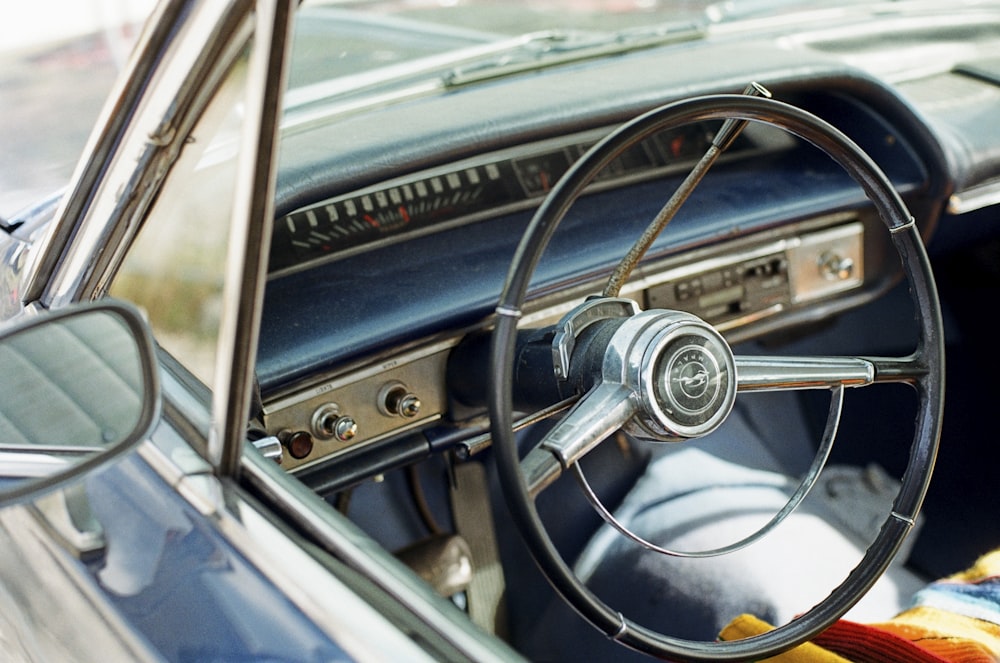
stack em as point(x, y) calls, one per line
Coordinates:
point(667, 375)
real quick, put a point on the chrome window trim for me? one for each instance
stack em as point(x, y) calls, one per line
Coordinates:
point(113, 122)
point(343, 539)
point(250, 239)
point(171, 76)
point(312, 588)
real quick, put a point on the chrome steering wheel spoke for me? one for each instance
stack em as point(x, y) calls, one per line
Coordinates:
point(662, 375)
point(595, 416)
point(792, 373)
point(789, 373)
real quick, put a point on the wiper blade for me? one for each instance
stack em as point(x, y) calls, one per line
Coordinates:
point(551, 48)
point(529, 52)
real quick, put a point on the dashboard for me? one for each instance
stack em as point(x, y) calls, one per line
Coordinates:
point(388, 256)
point(735, 286)
point(467, 215)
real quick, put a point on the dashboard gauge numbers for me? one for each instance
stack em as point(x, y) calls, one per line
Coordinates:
point(341, 224)
point(463, 193)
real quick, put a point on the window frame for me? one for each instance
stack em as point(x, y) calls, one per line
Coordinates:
point(184, 53)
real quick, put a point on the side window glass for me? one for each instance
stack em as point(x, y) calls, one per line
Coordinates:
point(176, 266)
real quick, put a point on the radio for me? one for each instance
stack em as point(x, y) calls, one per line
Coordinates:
point(732, 290)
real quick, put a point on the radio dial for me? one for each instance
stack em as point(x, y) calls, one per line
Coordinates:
point(835, 267)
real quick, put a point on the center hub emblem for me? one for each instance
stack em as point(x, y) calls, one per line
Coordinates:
point(692, 379)
point(691, 376)
point(693, 382)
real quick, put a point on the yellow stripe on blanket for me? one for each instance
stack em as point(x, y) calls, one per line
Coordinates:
point(746, 626)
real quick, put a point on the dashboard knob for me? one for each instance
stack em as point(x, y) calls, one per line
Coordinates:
point(298, 443)
point(329, 422)
point(270, 447)
point(345, 429)
point(835, 267)
point(398, 401)
point(409, 406)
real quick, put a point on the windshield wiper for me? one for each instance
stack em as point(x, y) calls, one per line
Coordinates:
point(528, 52)
point(550, 48)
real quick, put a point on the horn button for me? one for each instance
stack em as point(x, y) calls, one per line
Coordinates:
point(687, 379)
point(678, 368)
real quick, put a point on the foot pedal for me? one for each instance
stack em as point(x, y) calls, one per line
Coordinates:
point(443, 560)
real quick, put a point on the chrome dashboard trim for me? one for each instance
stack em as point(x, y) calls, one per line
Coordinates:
point(799, 244)
point(357, 391)
point(974, 198)
point(690, 264)
point(354, 373)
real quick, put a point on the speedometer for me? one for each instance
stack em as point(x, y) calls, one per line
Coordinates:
point(362, 218)
point(469, 191)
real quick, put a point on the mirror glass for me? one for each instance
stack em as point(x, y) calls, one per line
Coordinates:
point(76, 386)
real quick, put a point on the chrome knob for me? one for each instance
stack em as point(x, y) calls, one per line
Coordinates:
point(398, 401)
point(328, 422)
point(409, 406)
point(270, 447)
point(835, 267)
point(345, 428)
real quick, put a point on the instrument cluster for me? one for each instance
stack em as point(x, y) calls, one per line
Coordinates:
point(468, 191)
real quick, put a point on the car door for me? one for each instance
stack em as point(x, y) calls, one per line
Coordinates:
point(200, 88)
point(197, 543)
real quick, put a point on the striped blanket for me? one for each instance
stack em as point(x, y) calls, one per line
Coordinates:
point(953, 620)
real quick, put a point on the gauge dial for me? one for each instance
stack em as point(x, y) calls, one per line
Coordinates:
point(367, 217)
point(538, 174)
point(395, 210)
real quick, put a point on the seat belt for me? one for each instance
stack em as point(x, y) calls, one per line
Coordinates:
point(470, 504)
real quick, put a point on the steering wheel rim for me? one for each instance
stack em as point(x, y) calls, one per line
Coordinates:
point(926, 376)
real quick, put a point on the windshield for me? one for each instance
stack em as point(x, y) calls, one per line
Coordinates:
point(520, 16)
point(514, 17)
point(356, 46)
point(59, 58)
point(380, 33)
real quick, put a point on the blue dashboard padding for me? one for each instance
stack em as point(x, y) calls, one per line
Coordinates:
point(347, 308)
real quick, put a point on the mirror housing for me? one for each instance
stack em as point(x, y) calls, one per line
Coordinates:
point(78, 387)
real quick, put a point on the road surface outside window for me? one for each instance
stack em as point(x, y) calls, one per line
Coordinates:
point(58, 62)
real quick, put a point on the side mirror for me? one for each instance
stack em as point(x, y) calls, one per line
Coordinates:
point(78, 387)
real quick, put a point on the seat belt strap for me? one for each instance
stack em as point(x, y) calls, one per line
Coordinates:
point(470, 506)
